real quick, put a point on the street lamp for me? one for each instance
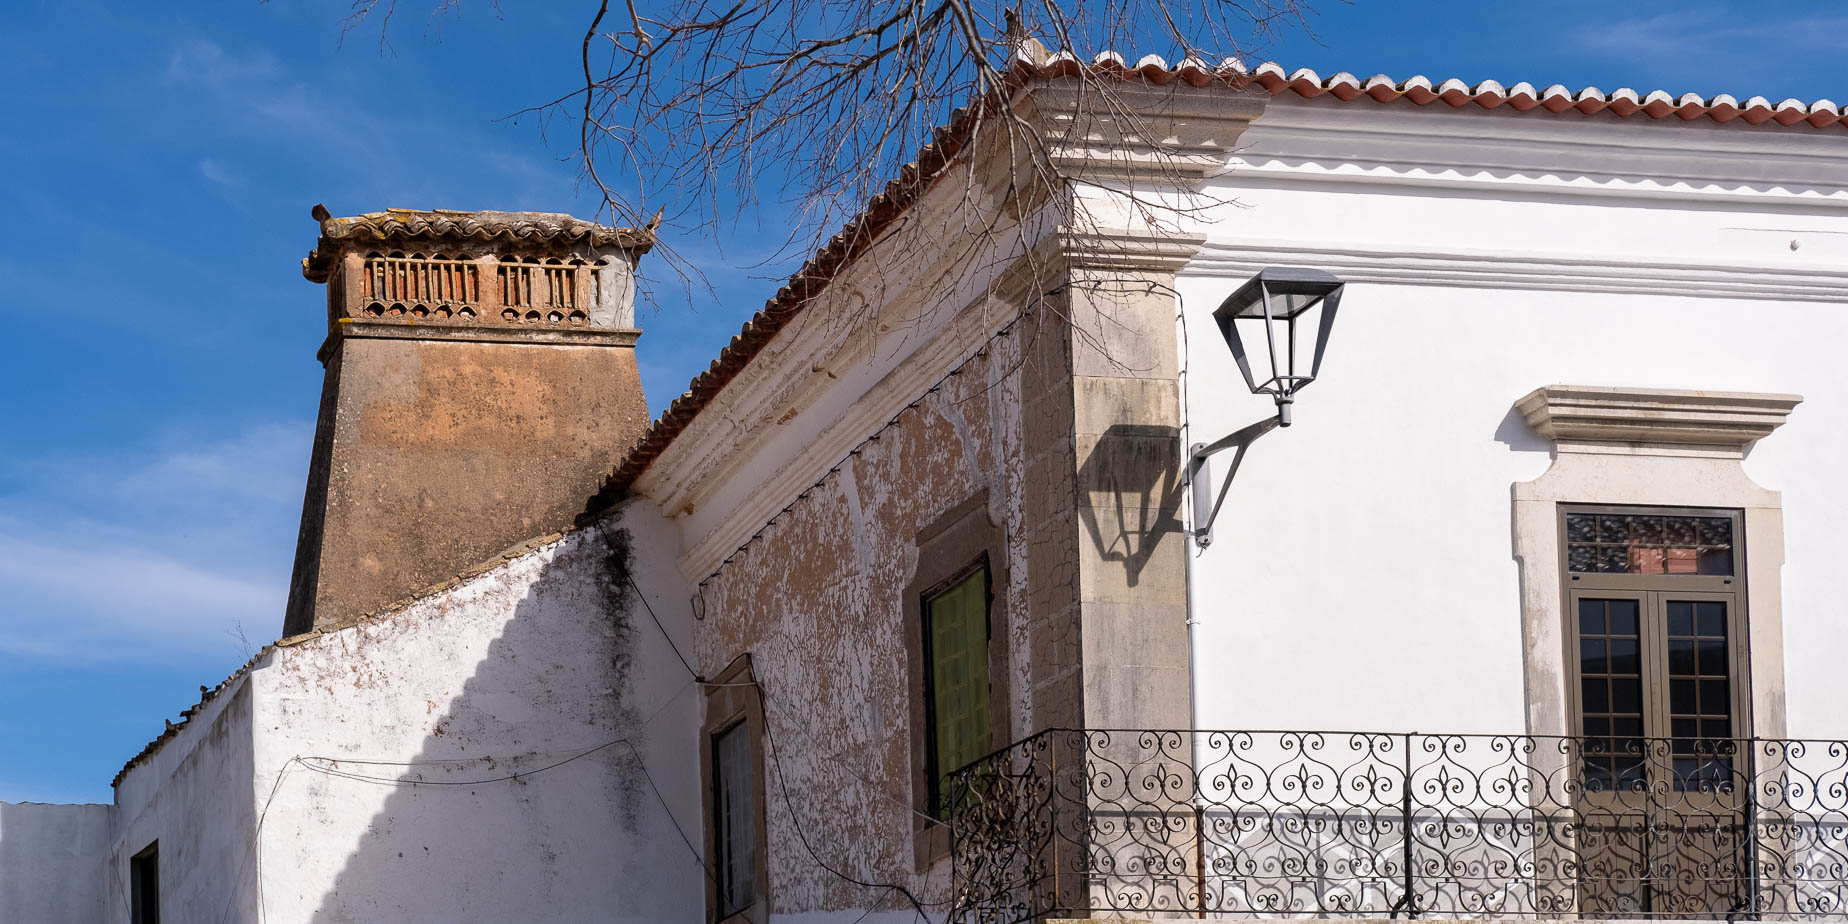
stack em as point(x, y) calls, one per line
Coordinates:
point(1277, 298)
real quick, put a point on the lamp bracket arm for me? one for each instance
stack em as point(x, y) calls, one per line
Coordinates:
point(1196, 460)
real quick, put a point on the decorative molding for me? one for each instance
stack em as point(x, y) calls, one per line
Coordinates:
point(1605, 473)
point(350, 329)
point(1126, 251)
point(735, 446)
point(1170, 134)
point(862, 415)
point(837, 339)
point(1716, 419)
point(1398, 263)
point(1306, 140)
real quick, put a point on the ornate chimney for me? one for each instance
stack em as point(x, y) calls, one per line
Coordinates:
point(480, 384)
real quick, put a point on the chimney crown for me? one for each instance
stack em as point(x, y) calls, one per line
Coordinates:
point(530, 270)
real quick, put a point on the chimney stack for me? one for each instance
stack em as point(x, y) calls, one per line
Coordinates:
point(480, 385)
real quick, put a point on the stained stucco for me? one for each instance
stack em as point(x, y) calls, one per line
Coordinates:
point(354, 772)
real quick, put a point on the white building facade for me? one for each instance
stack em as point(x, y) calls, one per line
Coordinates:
point(904, 607)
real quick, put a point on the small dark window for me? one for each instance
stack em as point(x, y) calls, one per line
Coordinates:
point(734, 820)
point(144, 886)
point(956, 677)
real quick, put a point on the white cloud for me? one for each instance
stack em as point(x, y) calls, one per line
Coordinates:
point(114, 555)
point(217, 172)
point(249, 92)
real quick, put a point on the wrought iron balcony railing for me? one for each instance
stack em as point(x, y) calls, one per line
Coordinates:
point(1076, 823)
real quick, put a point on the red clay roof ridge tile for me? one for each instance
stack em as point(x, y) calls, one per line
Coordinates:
point(1153, 69)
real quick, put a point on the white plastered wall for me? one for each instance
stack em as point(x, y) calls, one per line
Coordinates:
point(1363, 574)
point(51, 862)
point(512, 748)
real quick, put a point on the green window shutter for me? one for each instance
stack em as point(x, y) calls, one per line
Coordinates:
point(958, 627)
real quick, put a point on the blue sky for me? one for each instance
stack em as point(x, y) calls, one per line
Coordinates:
point(159, 162)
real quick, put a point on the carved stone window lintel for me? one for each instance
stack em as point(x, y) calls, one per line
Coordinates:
point(1726, 420)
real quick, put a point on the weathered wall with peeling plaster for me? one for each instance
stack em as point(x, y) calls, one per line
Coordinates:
point(818, 603)
point(513, 669)
point(51, 862)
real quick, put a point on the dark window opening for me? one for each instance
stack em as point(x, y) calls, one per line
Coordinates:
point(144, 886)
point(734, 820)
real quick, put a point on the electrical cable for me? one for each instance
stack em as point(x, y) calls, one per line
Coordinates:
point(657, 621)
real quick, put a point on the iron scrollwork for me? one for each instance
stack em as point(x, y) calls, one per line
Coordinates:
point(1076, 822)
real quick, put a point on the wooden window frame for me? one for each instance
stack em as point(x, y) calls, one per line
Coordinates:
point(960, 540)
point(933, 768)
point(1649, 590)
point(732, 702)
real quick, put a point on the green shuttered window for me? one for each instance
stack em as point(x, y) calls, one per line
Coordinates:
point(956, 632)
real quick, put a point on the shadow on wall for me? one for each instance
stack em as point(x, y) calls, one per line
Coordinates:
point(528, 799)
point(1131, 479)
point(1514, 433)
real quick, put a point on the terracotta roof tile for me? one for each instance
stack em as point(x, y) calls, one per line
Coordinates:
point(446, 225)
point(1269, 76)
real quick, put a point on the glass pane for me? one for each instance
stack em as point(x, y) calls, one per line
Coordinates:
point(1625, 543)
point(1712, 661)
point(1712, 619)
point(1597, 697)
point(957, 622)
point(1680, 618)
point(1591, 656)
point(1582, 558)
point(1625, 659)
point(1716, 561)
point(1626, 696)
point(1681, 655)
point(1591, 617)
point(734, 820)
point(1613, 559)
point(1715, 696)
point(1681, 697)
point(1623, 617)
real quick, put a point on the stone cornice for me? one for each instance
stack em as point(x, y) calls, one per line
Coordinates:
point(437, 227)
point(1319, 139)
point(1112, 249)
point(1405, 263)
point(1130, 132)
point(1659, 416)
point(884, 292)
point(348, 328)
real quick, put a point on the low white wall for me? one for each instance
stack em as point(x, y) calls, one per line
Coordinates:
point(192, 795)
point(51, 862)
point(455, 723)
point(509, 749)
